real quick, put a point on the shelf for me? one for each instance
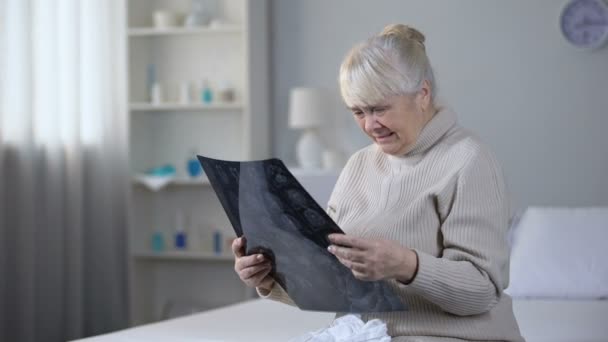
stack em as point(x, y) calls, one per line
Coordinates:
point(149, 107)
point(159, 183)
point(188, 182)
point(185, 255)
point(173, 31)
point(204, 181)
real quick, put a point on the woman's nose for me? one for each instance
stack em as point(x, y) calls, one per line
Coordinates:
point(371, 122)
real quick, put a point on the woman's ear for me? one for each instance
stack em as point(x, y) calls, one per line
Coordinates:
point(424, 96)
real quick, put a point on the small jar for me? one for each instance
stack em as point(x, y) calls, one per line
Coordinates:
point(226, 94)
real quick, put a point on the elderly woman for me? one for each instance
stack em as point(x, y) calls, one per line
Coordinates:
point(423, 207)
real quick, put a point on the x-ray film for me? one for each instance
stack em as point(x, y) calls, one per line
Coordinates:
point(266, 204)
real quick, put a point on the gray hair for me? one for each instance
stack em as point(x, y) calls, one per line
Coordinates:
point(393, 62)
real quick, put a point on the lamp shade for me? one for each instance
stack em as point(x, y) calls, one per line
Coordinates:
point(306, 106)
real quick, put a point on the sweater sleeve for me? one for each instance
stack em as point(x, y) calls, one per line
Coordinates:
point(277, 294)
point(472, 270)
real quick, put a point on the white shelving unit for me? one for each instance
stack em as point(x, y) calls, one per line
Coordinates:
point(170, 132)
point(185, 256)
point(151, 31)
point(203, 181)
point(201, 107)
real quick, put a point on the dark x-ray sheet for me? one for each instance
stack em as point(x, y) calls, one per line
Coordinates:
point(278, 218)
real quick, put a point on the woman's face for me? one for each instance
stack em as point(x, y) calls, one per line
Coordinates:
point(395, 123)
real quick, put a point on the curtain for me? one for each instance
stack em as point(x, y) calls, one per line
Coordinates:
point(64, 183)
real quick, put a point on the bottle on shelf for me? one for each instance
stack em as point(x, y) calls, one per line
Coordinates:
point(225, 93)
point(193, 165)
point(217, 242)
point(206, 92)
point(181, 241)
point(156, 93)
point(158, 242)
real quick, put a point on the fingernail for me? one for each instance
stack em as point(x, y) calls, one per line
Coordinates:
point(260, 257)
point(330, 248)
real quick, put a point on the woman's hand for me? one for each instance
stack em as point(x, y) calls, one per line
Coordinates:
point(254, 270)
point(374, 259)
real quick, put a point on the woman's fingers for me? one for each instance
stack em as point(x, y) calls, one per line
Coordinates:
point(349, 241)
point(248, 261)
point(352, 254)
point(351, 264)
point(359, 270)
point(259, 278)
point(362, 276)
point(251, 271)
point(238, 247)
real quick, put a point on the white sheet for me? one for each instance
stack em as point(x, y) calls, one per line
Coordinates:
point(562, 320)
point(263, 320)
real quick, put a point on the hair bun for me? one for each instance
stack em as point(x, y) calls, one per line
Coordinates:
point(405, 32)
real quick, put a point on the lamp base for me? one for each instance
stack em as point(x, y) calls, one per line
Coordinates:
point(309, 150)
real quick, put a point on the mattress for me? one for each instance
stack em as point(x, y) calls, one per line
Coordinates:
point(264, 320)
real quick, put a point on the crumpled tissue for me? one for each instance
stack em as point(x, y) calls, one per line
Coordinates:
point(348, 328)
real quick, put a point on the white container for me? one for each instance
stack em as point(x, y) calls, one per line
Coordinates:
point(184, 93)
point(164, 19)
point(156, 93)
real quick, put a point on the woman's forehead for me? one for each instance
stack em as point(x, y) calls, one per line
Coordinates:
point(385, 101)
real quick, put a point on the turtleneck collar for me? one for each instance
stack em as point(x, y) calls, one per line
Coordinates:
point(440, 123)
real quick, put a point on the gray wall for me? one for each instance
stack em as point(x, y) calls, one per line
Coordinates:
point(540, 104)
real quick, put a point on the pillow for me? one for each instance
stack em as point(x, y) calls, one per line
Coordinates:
point(560, 253)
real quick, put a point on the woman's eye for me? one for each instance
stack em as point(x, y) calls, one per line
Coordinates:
point(357, 113)
point(378, 109)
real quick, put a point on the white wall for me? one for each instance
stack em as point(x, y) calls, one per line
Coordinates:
point(541, 104)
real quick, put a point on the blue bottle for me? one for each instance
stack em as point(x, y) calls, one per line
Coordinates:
point(193, 165)
point(181, 239)
point(217, 242)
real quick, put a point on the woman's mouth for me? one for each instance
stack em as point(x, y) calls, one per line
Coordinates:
point(384, 138)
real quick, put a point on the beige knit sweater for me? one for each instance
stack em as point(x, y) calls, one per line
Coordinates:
point(446, 200)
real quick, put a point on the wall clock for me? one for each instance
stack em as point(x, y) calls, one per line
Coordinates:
point(584, 23)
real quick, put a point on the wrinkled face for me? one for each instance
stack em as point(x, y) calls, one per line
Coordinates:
point(395, 123)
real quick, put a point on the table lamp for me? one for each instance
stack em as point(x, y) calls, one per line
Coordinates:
point(306, 107)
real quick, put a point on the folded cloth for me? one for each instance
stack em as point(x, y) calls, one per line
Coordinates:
point(348, 328)
point(153, 183)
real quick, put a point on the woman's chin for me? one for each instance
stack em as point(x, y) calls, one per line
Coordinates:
point(393, 149)
point(387, 148)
